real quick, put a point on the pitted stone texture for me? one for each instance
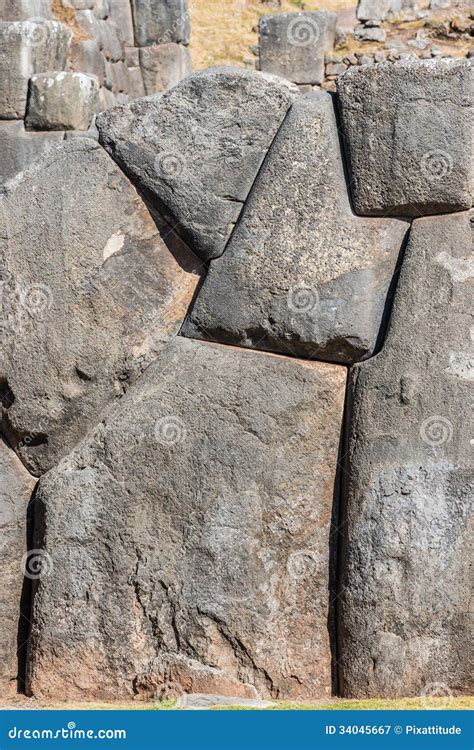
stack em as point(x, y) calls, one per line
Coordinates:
point(302, 275)
point(408, 130)
point(163, 66)
point(22, 10)
point(26, 48)
point(160, 21)
point(62, 101)
point(405, 584)
point(92, 295)
point(292, 45)
point(20, 147)
point(16, 487)
point(197, 149)
point(155, 557)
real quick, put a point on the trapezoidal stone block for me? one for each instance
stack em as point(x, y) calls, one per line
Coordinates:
point(62, 101)
point(95, 286)
point(163, 565)
point(164, 66)
point(292, 45)
point(405, 583)
point(160, 22)
point(302, 275)
point(197, 149)
point(16, 487)
point(408, 131)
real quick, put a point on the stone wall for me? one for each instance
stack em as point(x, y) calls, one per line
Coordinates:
point(62, 62)
point(237, 362)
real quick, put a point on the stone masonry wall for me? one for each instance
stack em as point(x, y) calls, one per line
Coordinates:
point(63, 62)
point(236, 369)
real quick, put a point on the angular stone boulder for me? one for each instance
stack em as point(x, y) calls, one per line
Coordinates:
point(160, 21)
point(408, 131)
point(20, 147)
point(26, 48)
point(189, 534)
point(62, 101)
point(197, 149)
point(16, 487)
point(164, 66)
point(92, 294)
point(302, 275)
point(292, 45)
point(405, 585)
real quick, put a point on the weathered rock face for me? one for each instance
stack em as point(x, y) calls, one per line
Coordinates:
point(92, 293)
point(292, 45)
point(26, 48)
point(164, 66)
point(408, 130)
point(22, 10)
point(198, 148)
point(62, 101)
point(16, 487)
point(409, 481)
point(160, 21)
point(302, 275)
point(20, 147)
point(158, 561)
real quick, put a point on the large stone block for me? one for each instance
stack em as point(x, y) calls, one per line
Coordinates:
point(405, 585)
point(164, 66)
point(408, 130)
point(158, 559)
point(197, 149)
point(301, 274)
point(22, 10)
point(160, 21)
point(379, 10)
point(120, 12)
point(62, 101)
point(292, 45)
point(16, 487)
point(105, 33)
point(26, 48)
point(20, 147)
point(94, 293)
point(86, 57)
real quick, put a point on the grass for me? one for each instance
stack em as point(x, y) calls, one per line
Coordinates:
point(463, 703)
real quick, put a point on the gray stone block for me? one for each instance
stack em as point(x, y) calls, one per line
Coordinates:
point(61, 101)
point(16, 487)
point(94, 295)
point(26, 48)
point(164, 66)
point(292, 45)
point(86, 57)
point(156, 558)
point(406, 585)
point(408, 130)
point(120, 12)
point(197, 148)
point(20, 147)
point(104, 32)
point(160, 22)
point(22, 10)
point(301, 274)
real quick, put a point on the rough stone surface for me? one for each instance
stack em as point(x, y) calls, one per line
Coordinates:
point(302, 275)
point(198, 148)
point(120, 12)
point(16, 487)
point(92, 294)
point(202, 701)
point(374, 10)
point(22, 10)
point(26, 48)
point(408, 129)
point(86, 57)
point(405, 588)
point(163, 66)
point(155, 557)
point(160, 21)
point(62, 101)
point(292, 45)
point(20, 147)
